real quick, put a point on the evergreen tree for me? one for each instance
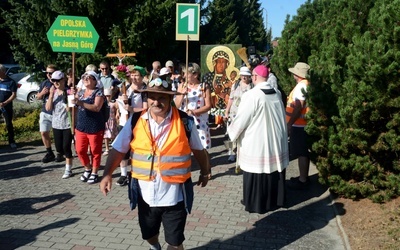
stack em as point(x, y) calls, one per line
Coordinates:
point(30, 20)
point(352, 48)
point(257, 33)
point(146, 27)
point(238, 21)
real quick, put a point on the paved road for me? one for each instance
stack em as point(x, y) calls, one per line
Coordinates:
point(39, 210)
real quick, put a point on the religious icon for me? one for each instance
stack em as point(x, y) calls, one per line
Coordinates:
point(220, 73)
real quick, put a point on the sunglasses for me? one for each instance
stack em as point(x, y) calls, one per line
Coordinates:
point(56, 80)
point(88, 77)
point(158, 82)
point(103, 68)
point(49, 73)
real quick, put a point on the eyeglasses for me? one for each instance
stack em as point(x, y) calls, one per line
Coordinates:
point(158, 82)
point(49, 73)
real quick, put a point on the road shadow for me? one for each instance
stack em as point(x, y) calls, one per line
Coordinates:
point(281, 228)
point(24, 206)
point(16, 238)
point(5, 148)
point(24, 169)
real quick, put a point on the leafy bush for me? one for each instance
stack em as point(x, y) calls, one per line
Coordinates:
point(26, 122)
point(21, 109)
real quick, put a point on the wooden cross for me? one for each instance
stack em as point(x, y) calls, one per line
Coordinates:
point(121, 56)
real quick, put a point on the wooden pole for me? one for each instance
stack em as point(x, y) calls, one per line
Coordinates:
point(120, 55)
point(187, 66)
point(73, 87)
point(119, 45)
point(124, 94)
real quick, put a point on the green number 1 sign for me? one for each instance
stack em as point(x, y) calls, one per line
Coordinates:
point(187, 21)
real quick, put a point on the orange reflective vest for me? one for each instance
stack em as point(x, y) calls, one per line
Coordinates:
point(301, 121)
point(172, 161)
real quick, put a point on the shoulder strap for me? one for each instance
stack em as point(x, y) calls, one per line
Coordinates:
point(65, 96)
point(236, 84)
point(188, 122)
point(95, 92)
point(135, 119)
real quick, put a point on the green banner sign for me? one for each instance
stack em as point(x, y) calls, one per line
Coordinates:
point(73, 34)
point(187, 22)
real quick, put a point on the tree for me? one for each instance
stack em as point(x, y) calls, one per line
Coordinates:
point(353, 50)
point(257, 33)
point(30, 20)
point(238, 21)
point(146, 27)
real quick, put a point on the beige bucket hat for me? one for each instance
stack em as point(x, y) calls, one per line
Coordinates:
point(300, 69)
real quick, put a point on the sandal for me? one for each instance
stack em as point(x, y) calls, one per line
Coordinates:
point(86, 175)
point(237, 170)
point(94, 178)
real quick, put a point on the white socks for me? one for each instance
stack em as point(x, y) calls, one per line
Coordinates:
point(124, 171)
point(68, 167)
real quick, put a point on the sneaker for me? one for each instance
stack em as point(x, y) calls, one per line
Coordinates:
point(59, 158)
point(232, 158)
point(122, 181)
point(296, 184)
point(67, 174)
point(94, 178)
point(13, 146)
point(48, 158)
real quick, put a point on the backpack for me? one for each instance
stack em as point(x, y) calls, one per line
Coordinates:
point(187, 120)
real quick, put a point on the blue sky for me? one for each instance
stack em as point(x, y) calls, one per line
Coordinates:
point(277, 11)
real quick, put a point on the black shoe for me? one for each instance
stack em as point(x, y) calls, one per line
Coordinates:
point(48, 158)
point(59, 158)
point(296, 184)
point(122, 181)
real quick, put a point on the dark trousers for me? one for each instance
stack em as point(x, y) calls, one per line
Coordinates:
point(8, 116)
point(63, 141)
